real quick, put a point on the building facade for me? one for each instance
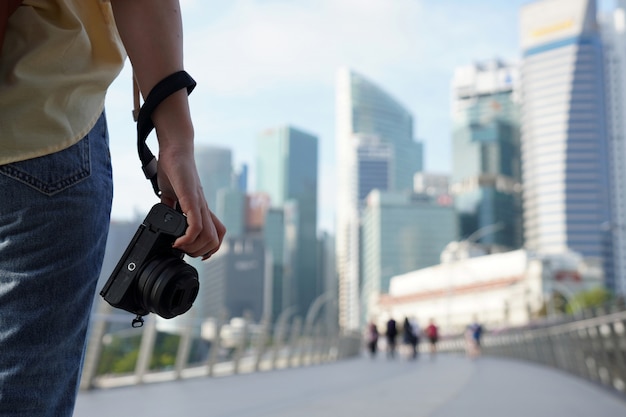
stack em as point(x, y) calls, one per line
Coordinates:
point(614, 40)
point(366, 115)
point(498, 290)
point(287, 172)
point(401, 232)
point(235, 282)
point(486, 174)
point(564, 131)
point(215, 168)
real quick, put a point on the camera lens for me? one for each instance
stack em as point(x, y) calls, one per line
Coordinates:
point(168, 286)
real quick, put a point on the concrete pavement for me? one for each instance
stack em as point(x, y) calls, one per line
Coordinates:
point(450, 385)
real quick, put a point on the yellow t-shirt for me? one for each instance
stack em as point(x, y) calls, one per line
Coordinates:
point(57, 61)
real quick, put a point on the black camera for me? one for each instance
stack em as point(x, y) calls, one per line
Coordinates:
point(152, 276)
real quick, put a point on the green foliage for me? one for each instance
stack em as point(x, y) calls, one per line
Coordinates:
point(165, 350)
point(119, 356)
point(595, 297)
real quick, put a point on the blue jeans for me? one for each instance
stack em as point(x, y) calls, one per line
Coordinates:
point(54, 220)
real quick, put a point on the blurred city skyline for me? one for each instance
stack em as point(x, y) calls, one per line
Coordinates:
point(262, 64)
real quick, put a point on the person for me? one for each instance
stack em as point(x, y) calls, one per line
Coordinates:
point(410, 338)
point(372, 339)
point(432, 332)
point(474, 334)
point(57, 61)
point(391, 335)
point(417, 331)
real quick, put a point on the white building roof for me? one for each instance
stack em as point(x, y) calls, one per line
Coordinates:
point(462, 273)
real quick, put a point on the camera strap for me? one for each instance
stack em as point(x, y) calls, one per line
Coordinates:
point(163, 89)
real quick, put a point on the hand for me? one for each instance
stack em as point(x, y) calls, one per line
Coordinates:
point(179, 182)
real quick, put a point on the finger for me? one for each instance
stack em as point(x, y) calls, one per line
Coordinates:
point(194, 229)
point(221, 232)
point(202, 240)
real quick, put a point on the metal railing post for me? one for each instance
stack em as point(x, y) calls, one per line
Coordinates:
point(294, 341)
point(279, 333)
point(243, 343)
point(94, 347)
point(146, 348)
point(184, 348)
point(216, 343)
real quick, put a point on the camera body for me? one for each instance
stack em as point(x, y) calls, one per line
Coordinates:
point(151, 276)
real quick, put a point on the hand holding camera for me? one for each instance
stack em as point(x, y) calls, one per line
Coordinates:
point(151, 276)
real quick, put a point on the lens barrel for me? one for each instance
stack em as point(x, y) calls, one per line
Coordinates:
point(168, 286)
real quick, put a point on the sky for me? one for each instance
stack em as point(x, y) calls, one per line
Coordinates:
point(267, 63)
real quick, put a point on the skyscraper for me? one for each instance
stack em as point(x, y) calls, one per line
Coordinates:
point(215, 167)
point(402, 232)
point(486, 174)
point(287, 172)
point(366, 114)
point(613, 27)
point(374, 164)
point(564, 137)
point(235, 281)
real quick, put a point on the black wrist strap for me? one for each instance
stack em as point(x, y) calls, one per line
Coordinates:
point(163, 89)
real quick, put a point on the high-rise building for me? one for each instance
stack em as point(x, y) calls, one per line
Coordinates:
point(486, 173)
point(287, 172)
point(613, 27)
point(374, 132)
point(241, 177)
point(215, 168)
point(430, 183)
point(281, 240)
point(402, 232)
point(373, 165)
point(235, 281)
point(326, 260)
point(565, 158)
point(230, 208)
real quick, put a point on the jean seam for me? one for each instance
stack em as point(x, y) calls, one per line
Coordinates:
point(50, 189)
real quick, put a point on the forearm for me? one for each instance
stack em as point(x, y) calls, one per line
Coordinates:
point(153, 37)
point(152, 33)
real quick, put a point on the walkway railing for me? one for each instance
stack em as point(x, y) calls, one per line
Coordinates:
point(592, 347)
point(119, 355)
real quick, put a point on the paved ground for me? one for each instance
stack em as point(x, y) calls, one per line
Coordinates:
point(449, 386)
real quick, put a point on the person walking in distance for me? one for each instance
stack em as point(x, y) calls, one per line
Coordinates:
point(417, 332)
point(391, 335)
point(410, 338)
point(57, 61)
point(432, 333)
point(474, 334)
point(372, 339)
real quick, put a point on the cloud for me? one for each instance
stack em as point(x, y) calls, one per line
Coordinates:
point(262, 45)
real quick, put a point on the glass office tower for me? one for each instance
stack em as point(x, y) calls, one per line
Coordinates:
point(564, 136)
point(486, 173)
point(215, 167)
point(364, 110)
point(287, 172)
point(613, 27)
point(402, 232)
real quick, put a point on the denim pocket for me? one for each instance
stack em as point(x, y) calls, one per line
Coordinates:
point(51, 174)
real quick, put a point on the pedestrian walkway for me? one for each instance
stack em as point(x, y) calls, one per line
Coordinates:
point(449, 386)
